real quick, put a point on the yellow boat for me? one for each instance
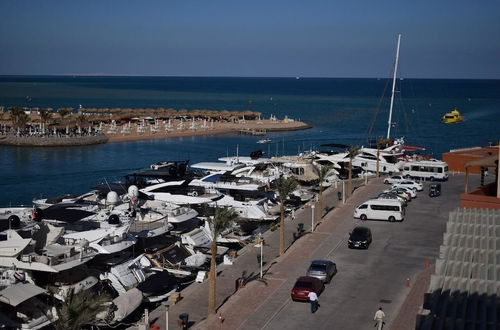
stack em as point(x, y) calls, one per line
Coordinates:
point(452, 117)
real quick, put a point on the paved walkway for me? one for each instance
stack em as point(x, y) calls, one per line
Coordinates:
point(407, 314)
point(257, 304)
point(195, 297)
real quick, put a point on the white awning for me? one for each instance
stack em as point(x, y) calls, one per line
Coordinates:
point(20, 292)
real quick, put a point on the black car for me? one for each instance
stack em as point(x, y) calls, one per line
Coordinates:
point(361, 237)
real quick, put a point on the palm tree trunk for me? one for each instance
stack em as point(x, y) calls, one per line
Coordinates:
point(349, 185)
point(320, 202)
point(282, 228)
point(212, 278)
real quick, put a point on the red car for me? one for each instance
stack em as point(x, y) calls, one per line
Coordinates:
point(304, 285)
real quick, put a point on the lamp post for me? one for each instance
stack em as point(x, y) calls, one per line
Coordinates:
point(343, 191)
point(312, 217)
point(261, 253)
point(166, 314)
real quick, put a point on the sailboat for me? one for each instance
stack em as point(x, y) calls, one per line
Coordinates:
point(388, 159)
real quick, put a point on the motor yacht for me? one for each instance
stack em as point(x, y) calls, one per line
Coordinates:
point(24, 305)
point(44, 252)
point(154, 284)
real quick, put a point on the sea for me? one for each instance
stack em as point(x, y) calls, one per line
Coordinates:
point(340, 110)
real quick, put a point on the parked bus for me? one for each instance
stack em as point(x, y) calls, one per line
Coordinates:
point(427, 170)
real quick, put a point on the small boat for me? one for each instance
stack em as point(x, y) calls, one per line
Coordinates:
point(264, 141)
point(453, 117)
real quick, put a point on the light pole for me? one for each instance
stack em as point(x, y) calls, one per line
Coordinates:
point(165, 303)
point(312, 218)
point(261, 253)
point(343, 191)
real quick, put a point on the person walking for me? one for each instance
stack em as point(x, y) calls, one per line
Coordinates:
point(313, 299)
point(379, 319)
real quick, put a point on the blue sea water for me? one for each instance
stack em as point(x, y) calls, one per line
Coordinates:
point(339, 111)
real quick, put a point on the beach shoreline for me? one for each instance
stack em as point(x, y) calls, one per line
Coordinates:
point(259, 127)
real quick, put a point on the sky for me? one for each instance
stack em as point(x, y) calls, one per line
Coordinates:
point(272, 38)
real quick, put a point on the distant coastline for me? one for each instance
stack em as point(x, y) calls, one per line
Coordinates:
point(47, 127)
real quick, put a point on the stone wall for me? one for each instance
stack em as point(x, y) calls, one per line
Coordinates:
point(62, 141)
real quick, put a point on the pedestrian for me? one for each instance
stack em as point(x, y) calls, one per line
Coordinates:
point(379, 319)
point(313, 299)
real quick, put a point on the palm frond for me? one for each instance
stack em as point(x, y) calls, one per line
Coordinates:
point(323, 171)
point(80, 309)
point(353, 151)
point(285, 187)
point(224, 217)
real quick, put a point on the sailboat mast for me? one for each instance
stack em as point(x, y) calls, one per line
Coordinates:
point(389, 123)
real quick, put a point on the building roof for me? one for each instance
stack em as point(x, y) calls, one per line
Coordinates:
point(488, 161)
point(465, 289)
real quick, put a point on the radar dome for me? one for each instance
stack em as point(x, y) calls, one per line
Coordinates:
point(133, 191)
point(112, 198)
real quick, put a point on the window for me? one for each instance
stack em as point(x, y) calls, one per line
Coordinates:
point(385, 208)
point(364, 206)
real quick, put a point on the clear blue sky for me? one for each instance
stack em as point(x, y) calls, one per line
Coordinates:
point(441, 39)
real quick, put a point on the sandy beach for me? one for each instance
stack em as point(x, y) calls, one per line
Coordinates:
point(123, 134)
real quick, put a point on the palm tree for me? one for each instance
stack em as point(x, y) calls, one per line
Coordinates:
point(223, 218)
point(323, 172)
point(81, 120)
point(45, 116)
point(284, 187)
point(80, 309)
point(63, 112)
point(15, 112)
point(352, 152)
point(381, 142)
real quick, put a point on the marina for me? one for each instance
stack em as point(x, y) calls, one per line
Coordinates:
point(121, 236)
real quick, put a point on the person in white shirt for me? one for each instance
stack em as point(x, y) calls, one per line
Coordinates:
point(379, 319)
point(313, 299)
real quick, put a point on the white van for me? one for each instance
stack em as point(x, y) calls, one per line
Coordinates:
point(380, 209)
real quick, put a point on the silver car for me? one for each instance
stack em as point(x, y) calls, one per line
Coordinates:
point(322, 269)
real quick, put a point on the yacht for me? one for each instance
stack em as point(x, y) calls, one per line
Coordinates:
point(155, 285)
point(389, 161)
point(24, 305)
point(44, 252)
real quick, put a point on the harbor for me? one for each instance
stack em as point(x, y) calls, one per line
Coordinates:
point(148, 238)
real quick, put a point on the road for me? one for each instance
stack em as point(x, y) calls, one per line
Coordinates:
point(369, 278)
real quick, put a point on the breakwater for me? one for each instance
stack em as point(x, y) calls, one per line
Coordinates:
point(52, 141)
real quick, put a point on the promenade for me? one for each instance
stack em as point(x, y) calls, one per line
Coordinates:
point(195, 297)
point(366, 280)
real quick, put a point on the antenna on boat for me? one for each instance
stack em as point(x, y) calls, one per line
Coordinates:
point(389, 123)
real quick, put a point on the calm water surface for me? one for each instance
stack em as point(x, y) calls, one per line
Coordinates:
point(340, 110)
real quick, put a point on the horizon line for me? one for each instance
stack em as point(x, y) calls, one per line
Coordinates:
point(216, 76)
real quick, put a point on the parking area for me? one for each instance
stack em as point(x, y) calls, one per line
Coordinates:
point(366, 279)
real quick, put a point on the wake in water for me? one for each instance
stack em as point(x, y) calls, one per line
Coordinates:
point(481, 113)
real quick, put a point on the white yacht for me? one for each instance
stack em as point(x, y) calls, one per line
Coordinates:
point(388, 160)
point(154, 284)
point(104, 240)
point(42, 253)
point(24, 306)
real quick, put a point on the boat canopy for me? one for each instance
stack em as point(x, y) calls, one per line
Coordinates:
point(15, 294)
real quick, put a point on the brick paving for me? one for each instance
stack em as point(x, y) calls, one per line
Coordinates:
point(406, 317)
